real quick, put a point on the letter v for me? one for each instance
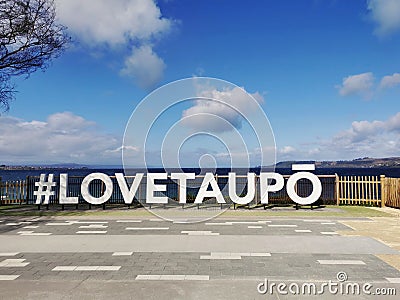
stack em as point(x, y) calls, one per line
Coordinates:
point(127, 193)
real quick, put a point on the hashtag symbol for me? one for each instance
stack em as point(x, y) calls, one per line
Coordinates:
point(44, 189)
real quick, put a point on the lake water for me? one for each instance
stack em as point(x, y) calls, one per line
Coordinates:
point(22, 174)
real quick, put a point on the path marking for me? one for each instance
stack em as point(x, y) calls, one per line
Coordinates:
point(88, 222)
point(59, 224)
point(122, 253)
point(36, 234)
point(281, 225)
point(8, 253)
point(9, 277)
point(302, 230)
point(14, 263)
point(91, 231)
point(129, 221)
point(93, 226)
point(329, 232)
point(234, 255)
point(86, 268)
point(199, 232)
point(254, 227)
point(173, 277)
point(340, 262)
point(219, 224)
point(393, 280)
point(146, 228)
point(30, 227)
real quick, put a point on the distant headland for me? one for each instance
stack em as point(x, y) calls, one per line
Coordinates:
point(365, 162)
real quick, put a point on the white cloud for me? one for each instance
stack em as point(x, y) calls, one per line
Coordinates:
point(390, 80)
point(378, 138)
point(386, 14)
point(120, 25)
point(360, 84)
point(144, 66)
point(112, 22)
point(63, 137)
point(217, 115)
point(287, 150)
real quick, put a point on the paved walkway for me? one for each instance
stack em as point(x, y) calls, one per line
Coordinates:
point(224, 258)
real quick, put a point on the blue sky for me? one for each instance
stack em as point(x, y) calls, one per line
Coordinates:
point(328, 73)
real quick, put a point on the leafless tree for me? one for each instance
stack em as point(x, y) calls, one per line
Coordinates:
point(30, 37)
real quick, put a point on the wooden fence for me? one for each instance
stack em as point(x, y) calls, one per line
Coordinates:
point(13, 192)
point(342, 190)
point(368, 190)
point(391, 193)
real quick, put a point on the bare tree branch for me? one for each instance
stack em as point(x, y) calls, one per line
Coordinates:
point(30, 38)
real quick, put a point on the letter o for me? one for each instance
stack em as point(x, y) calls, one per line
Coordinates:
point(316, 192)
point(107, 192)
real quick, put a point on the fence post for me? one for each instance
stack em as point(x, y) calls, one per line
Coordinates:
point(337, 192)
point(383, 191)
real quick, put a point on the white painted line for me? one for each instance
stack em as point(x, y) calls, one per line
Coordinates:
point(35, 219)
point(302, 230)
point(255, 254)
point(219, 224)
point(13, 224)
point(59, 224)
point(26, 222)
point(156, 220)
point(8, 253)
point(88, 222)
point(93, 226)
point(228, 256)
point(316, 220)
point(146, 228)
point(22, 232)
point(393, 280)
point(64, 268)
point(36, 233)
point(109, 268)
point(173, 277)
point(281, 225)
point(13, 263)
point(254, 227)
point(122, 253)
point(148, 277)
point(233, 255)
point(260, 254)
point(86, 268)
point(250, 222)
point(197, 277)
point(329, 233)
point(328, 223)
point(9, 277)
point(199, 232)
point(91, 232)
point(30, 227)
point(129, 221)
point(340, 262)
